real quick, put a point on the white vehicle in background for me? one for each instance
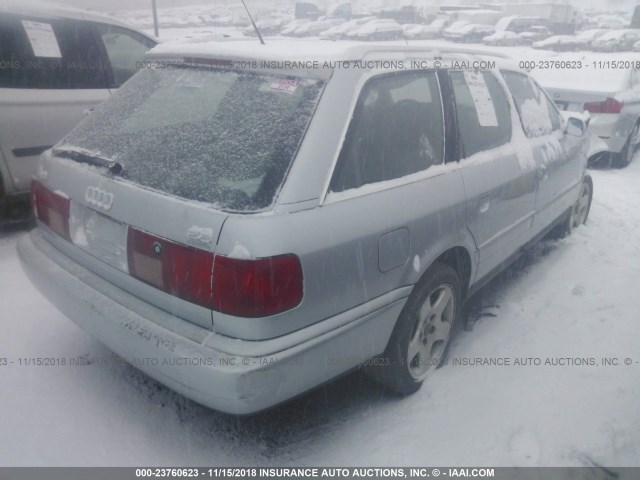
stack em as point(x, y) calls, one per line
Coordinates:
point(56, 65)
point(471, 33)
point(502, 38)
point(266, 28)
point(316, 27)
point(611, 22)
point(610, 96)
point(636, 47)
point(293, 25)
point(555, 42)
point(616, 41)
point(379, 29)
point(341, 31)
point(535, 34)
point(583, 40)
point(415, 31)
point(454, 28)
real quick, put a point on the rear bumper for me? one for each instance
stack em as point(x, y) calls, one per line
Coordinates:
point(179, 354)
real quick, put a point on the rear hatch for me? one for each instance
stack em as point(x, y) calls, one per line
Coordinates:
point(140, 190)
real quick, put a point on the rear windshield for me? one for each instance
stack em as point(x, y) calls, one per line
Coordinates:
point(221, 137)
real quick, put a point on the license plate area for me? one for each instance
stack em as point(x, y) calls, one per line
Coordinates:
point(99, 235)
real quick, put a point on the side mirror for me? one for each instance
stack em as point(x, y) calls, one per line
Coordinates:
point(575, 127)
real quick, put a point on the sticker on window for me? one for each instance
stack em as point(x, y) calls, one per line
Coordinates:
point(284, 85)
point(42, 39)
point(482, 99)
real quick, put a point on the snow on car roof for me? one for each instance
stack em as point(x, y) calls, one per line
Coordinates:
point(301, 50)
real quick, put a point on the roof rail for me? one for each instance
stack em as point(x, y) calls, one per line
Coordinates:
point(373, 49)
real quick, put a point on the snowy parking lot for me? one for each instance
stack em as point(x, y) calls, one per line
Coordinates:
point(550, 375)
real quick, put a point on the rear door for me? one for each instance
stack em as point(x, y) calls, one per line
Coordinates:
point(559, 158)
point(54, 72)
point(500, 188)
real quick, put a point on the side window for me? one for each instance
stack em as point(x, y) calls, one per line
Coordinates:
point(48, 53)
point(482, 111)
point(538, 114)
point(125, 49)
point(397, 129)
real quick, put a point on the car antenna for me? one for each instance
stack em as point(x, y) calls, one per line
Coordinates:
point(255, 27)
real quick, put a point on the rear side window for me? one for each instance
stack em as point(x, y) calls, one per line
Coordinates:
point(538, 115)
point(49, 53)
point(482, 111)
point(125, 50)
point(217, 136)
point(397, 129)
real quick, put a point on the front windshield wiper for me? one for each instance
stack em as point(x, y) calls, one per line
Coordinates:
point(113, 166)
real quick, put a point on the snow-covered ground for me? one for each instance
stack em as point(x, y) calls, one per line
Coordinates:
point(574, 298)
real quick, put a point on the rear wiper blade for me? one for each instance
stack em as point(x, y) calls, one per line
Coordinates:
point(113, 166)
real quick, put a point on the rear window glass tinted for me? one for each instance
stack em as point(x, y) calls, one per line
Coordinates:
point(220, 137)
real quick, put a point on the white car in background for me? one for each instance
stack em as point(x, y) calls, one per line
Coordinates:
point(616, 41)
point(584, 39)
point(316, 27)
point(293, 25)
point(379, 29)
point(610, 96)
point(341, 31)
point(57, 65)
point(556, 42)
point(502, 38)
point(418, 31)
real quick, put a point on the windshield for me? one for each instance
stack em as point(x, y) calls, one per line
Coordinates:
point(215, 136)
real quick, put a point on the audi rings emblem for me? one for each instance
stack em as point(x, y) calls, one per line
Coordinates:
point(98, 198)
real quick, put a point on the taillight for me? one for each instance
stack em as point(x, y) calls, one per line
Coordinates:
point(179, 270)
point(610, 105)
point(51, 208)
point(257, 287)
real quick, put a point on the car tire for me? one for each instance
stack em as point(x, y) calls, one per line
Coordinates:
point(626, 155)
point(579, 212)
point(421, 335)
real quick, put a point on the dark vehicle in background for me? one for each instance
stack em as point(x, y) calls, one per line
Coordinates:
point(57, 65)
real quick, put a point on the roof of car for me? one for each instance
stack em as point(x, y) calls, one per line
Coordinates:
point(301, 50)
point(51, 10)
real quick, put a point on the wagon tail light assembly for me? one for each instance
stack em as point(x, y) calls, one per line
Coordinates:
point(241, 287)
point(51, 208)
point(610, 105)
point(257, 287)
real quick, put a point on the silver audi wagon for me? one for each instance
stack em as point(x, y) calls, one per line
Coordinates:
point(255, 221)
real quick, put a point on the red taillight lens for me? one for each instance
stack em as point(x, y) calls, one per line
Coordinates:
point(258, 287)
point(610, 105)
point(179, 270)
point(51, 209)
